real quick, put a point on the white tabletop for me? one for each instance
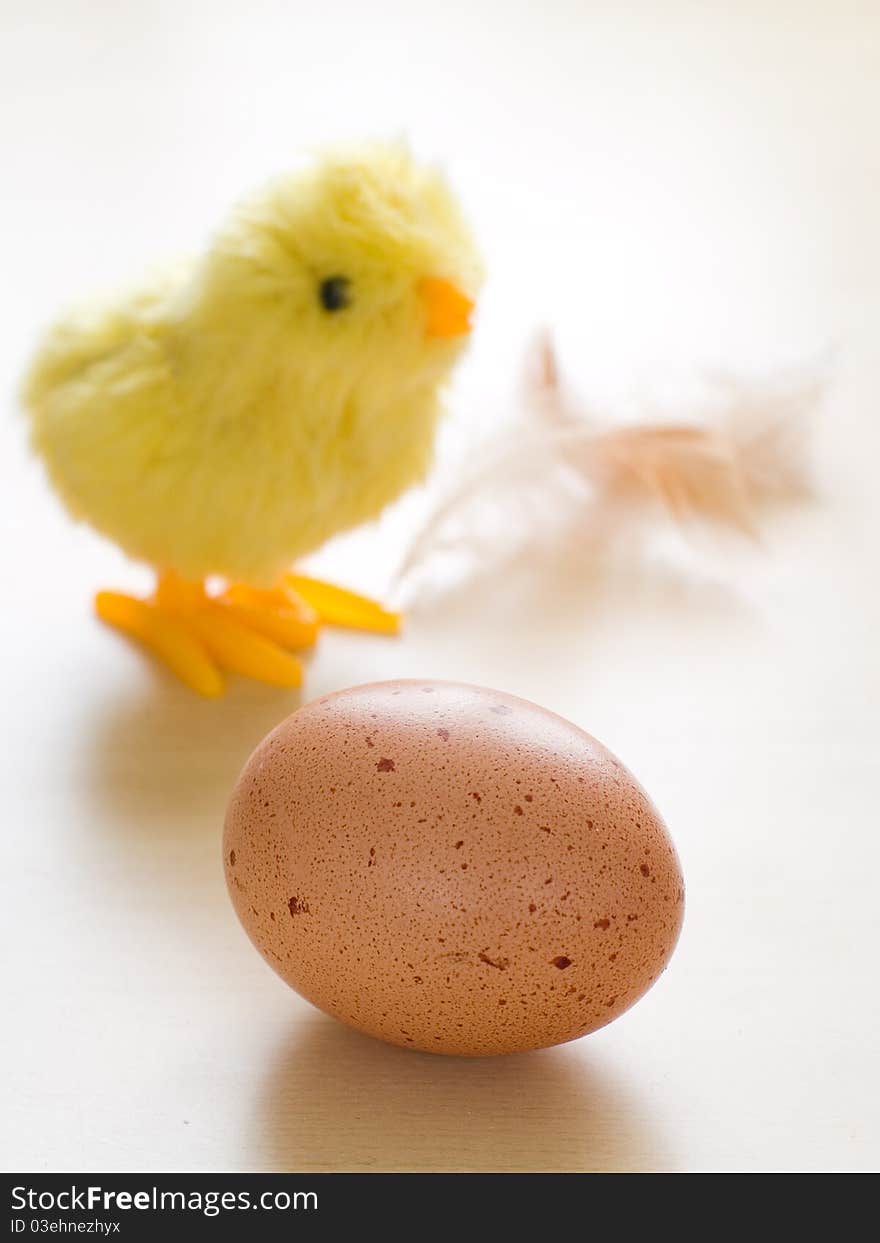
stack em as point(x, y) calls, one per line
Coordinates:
point(678, 190)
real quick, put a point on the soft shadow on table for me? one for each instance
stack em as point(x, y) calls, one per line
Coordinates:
point(164, 760)
point(576, 591)
point(158, 771)
point(335, 1100)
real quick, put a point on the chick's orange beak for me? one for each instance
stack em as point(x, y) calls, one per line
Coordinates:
point(447, 309)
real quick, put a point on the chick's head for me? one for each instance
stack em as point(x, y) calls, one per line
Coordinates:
point(364, 264)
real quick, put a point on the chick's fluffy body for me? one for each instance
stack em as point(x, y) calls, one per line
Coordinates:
point(221, 420)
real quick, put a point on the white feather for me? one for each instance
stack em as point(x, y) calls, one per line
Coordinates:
point(554, 474)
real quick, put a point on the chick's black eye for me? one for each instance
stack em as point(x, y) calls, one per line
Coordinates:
point(334, 293)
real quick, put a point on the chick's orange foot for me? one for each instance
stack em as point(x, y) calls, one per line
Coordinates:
point(198, 634)
point(337, 606)
point(241, 629)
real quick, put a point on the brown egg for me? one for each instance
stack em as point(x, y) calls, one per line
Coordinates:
point(451, 868)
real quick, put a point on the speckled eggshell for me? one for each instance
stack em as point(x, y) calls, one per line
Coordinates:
point(451, 869)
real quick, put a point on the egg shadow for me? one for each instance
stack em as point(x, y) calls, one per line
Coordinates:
point(337, 1101)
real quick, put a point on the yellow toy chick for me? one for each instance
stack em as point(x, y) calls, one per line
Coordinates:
point(232, 415)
